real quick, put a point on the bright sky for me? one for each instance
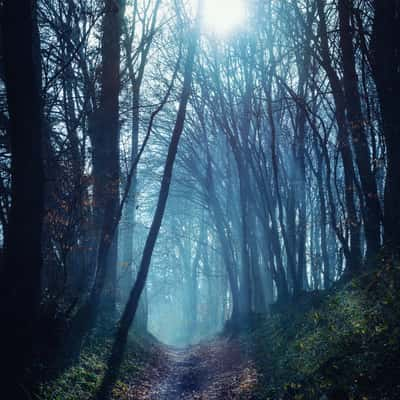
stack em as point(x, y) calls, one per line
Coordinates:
point(223, 16)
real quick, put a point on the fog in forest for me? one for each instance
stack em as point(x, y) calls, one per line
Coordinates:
point(200, 199)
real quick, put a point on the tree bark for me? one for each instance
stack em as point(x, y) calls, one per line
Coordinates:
point(354, 257)
point(359, 139)
point(385, 52)
point(105, 141)
point(21, 275)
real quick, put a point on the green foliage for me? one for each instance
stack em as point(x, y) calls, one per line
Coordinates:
point(80, 381)
point(344, 347)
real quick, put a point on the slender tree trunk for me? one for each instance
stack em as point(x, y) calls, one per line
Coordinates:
point(360, 142)
point(291, 267)
point(304, 66)
point(354, 260)
point(257, 273)
point(245, 277)
point(323, 222)
point(220, 224)
point(136, 78)
point(132, 305)
point(105, 139)
point(193, 287)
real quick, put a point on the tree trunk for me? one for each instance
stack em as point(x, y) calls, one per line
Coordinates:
point(21, 276)
point(385, 49)
point(360, 142)
point(354, 259)
point(105, 140)
point(132, 305)
point(106, 146)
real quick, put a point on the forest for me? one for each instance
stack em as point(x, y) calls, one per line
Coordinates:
point(200, 199)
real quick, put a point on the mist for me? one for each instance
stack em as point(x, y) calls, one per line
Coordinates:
point(199, 199)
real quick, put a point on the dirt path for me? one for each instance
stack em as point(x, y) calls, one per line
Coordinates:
point(218, 370)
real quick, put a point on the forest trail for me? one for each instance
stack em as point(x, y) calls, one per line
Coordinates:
point(215, 370)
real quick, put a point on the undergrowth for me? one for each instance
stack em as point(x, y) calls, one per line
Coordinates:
point(81, 380)
point(342, 344)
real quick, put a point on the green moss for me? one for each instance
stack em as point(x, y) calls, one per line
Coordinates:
point(80, 381)
point(345, 347)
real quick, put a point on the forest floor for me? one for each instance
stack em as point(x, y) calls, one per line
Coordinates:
point(215, 370)
point(342, 344)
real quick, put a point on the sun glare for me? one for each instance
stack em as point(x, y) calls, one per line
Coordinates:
point(223, 16)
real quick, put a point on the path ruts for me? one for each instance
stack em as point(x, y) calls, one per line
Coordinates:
point(217, 370)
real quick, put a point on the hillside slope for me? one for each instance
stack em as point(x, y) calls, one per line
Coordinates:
point(344, 344)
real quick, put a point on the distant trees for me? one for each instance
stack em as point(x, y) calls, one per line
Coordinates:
point(131, 307)
point(288, 161)
point(302, 127)
point(137, 61)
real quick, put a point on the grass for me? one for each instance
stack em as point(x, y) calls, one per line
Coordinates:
point(344, 344)
point(340, 344)
point(81, 380)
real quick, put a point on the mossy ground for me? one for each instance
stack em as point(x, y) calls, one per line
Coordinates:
point(80, 381)
point(344, 344)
